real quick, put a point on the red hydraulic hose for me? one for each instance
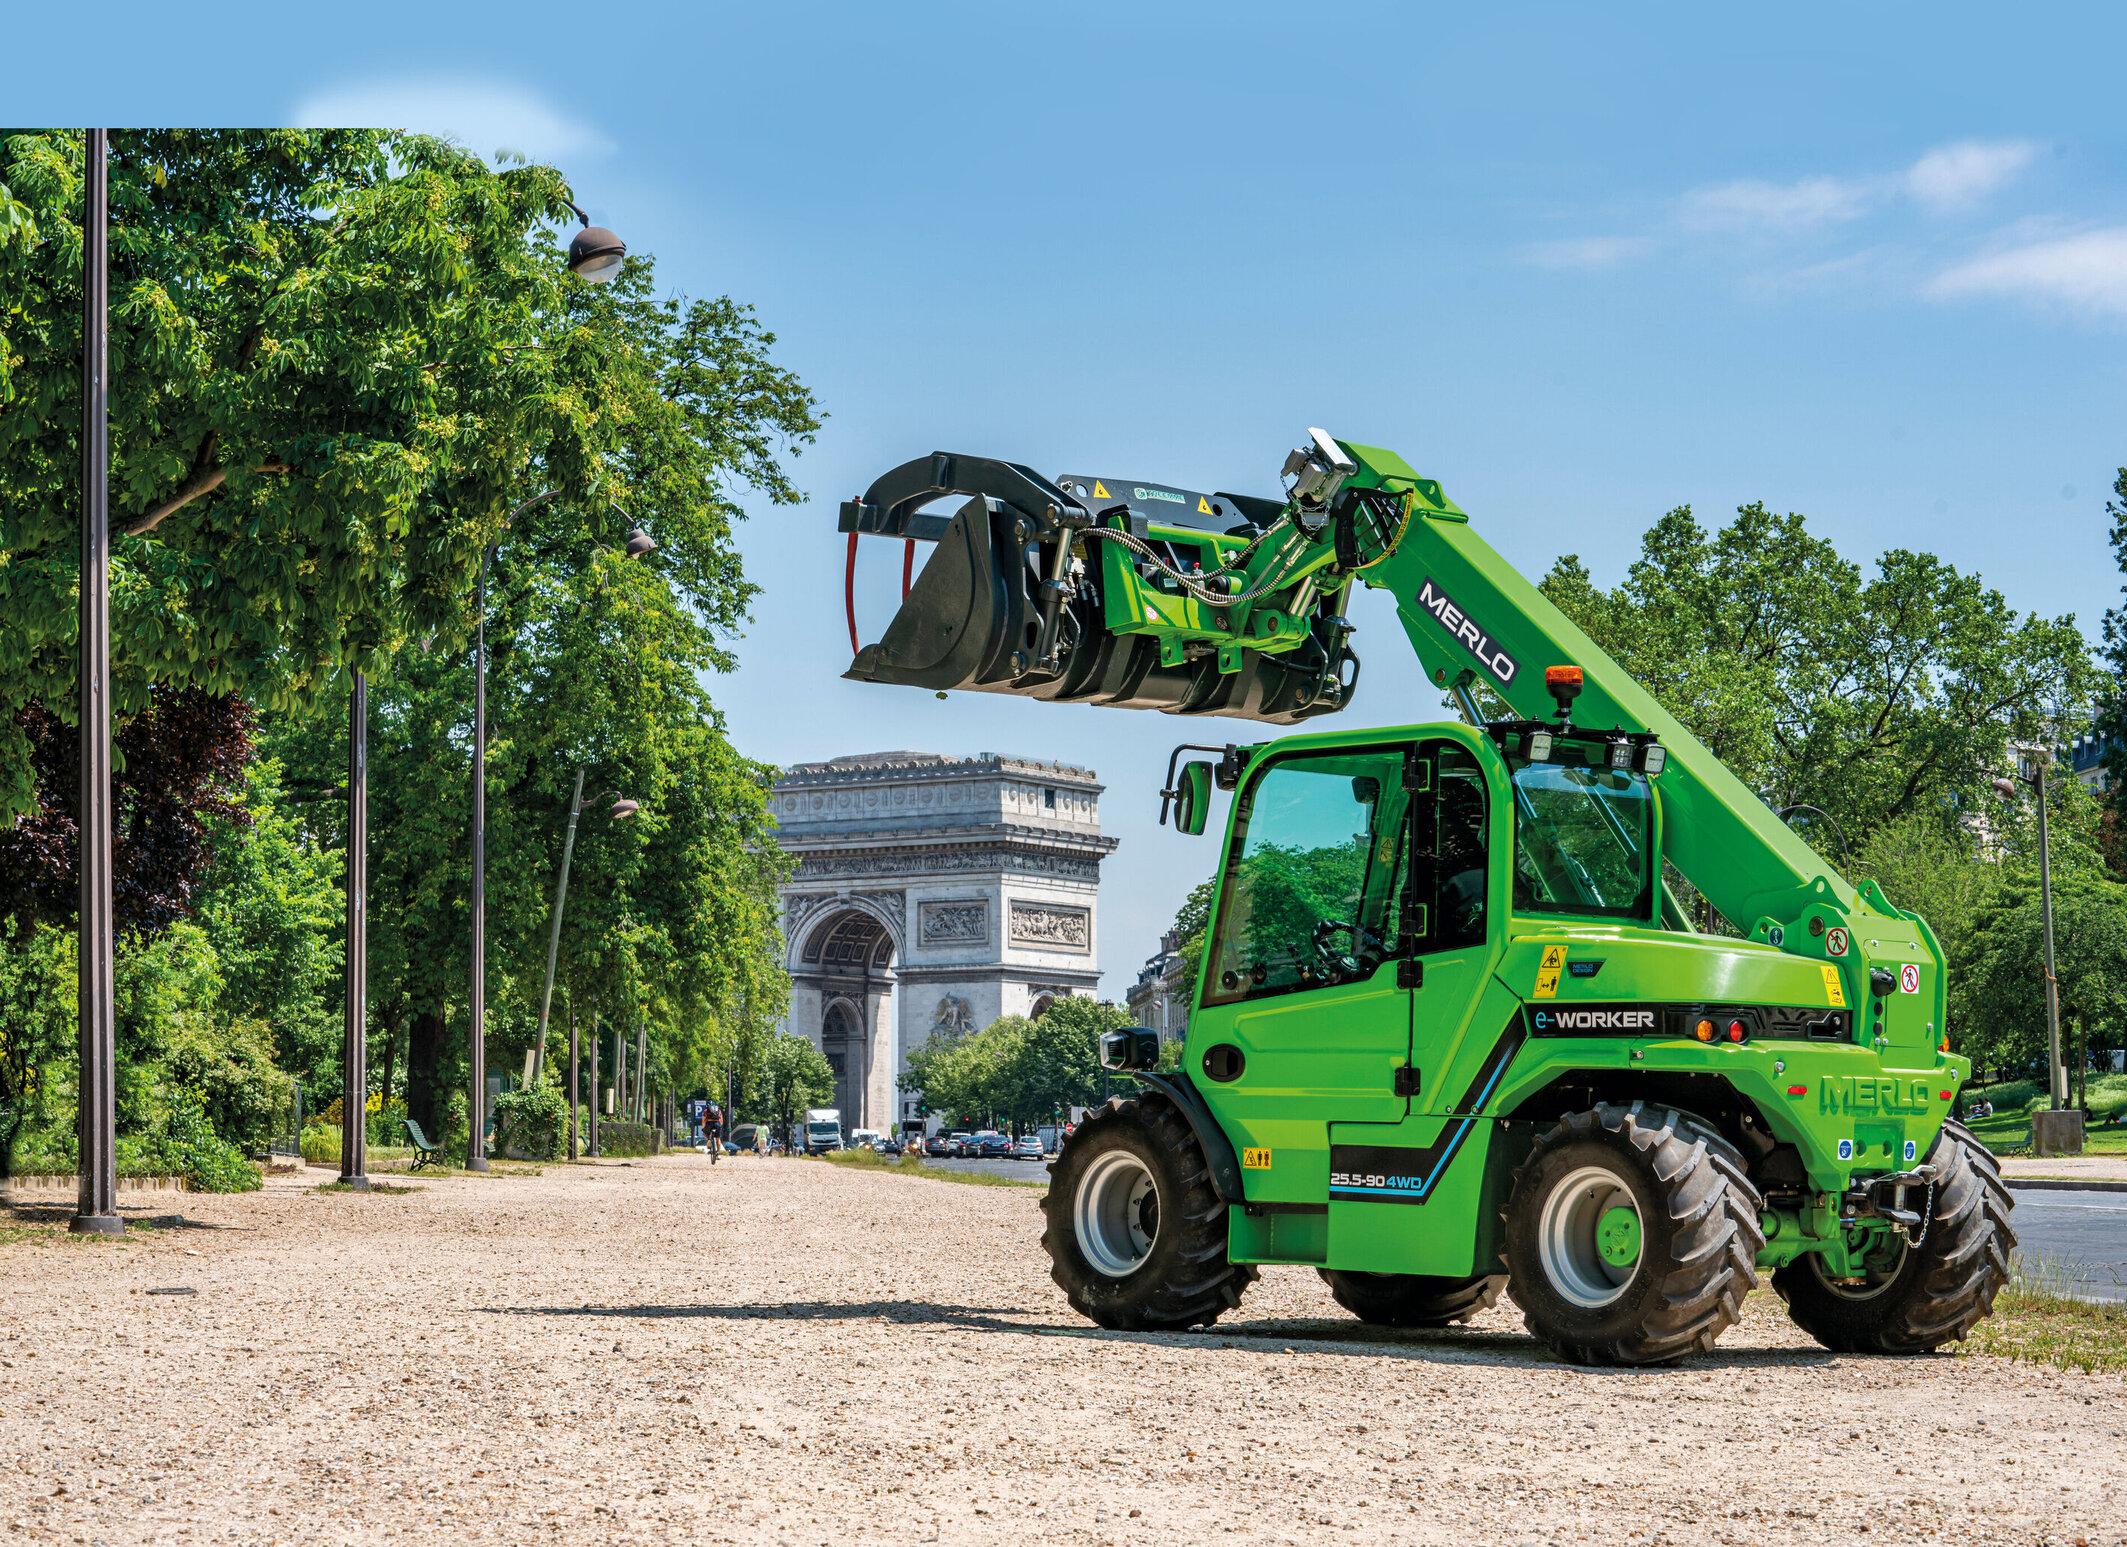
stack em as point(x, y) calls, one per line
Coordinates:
point(908, 564)
point(849, 593)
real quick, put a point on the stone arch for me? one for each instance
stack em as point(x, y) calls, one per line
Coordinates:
point(842, 956)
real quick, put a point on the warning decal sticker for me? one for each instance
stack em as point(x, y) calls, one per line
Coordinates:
point(1547, 975)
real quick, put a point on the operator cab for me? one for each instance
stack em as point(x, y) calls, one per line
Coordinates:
point(1585, 829)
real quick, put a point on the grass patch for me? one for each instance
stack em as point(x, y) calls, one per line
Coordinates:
point(2008, 1131)
point(54, 1233)
point(374, 1186)
point(872, 1160)
point(2043, 1327)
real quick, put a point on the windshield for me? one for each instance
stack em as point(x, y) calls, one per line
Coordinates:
point(1582, 840)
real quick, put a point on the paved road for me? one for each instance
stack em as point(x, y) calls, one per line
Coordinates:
point(1017, 1170)
point(2075, 1241)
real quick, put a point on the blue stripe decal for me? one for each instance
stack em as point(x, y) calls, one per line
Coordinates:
point(1421, 1168)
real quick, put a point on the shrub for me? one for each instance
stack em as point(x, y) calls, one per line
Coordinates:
point(623, 1139)
point(531, 1124)
point(180, 1141)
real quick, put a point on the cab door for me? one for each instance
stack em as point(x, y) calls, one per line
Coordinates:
point(1301, 1019)
point(1403, 1193)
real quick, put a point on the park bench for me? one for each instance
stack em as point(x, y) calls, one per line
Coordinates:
point(425, 1153)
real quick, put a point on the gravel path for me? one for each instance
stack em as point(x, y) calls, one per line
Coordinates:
point(776, 1351)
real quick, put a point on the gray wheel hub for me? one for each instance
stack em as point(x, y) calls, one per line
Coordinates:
point(1588, 1225)
point(1116, 1214)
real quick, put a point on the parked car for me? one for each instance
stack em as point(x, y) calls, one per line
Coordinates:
point(958, 1146)
point(882, 1145)
point(989, 1144)
point(1028, 1148)
point(938, 1145)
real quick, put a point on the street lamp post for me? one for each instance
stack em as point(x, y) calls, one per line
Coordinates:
point(595, 256)
point(593, 1150)
point(572, 1082)
point(622, 809)
point(2058, 1130)
point(96, 1117)
point(354, 1046)
point(2056, 1071)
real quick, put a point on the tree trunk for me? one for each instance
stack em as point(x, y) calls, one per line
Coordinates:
point(391, 1050)
point(424, 1060)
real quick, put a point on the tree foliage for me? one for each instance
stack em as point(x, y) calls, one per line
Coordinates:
point(1870, 695)
point(2112, 707)
point(790, 1075)
point(1017, 1071)
point(341, 360)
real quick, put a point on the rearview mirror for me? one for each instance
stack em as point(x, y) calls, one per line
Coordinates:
point(1192, 797)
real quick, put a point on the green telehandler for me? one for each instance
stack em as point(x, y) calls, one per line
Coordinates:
point(1453, 1029)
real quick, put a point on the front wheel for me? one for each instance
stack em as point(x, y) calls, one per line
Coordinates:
point(1631, 1236)
point(1913, 1299)
point(1136, 1233)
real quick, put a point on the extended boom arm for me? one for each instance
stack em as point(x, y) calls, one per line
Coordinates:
point(1111, 591)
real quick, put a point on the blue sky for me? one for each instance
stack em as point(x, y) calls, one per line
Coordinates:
point(1869, 263)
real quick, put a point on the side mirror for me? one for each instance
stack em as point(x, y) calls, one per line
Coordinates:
point(1191, 796)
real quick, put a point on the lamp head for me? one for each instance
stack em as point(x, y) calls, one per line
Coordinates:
point(595, 255)
point(625, 808)
point(640, 542)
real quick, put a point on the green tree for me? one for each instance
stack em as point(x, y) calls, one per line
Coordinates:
point(1871, 695)
point(1190, 922)
point(793, 1075)
point(2112, 707)
point(340, 360)
point(36, 1024)
point(2007, 992)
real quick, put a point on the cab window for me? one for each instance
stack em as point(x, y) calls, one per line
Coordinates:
point(1451, 853)
point(1314, 875)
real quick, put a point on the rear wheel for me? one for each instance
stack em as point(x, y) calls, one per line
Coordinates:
point(1913, 1299)
point(1413, 1299)
point(1631, 1236)
point(1136, 1233)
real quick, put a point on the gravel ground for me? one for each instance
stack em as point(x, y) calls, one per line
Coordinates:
point(774, 1351)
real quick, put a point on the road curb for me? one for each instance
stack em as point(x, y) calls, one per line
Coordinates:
point(2062, 1184)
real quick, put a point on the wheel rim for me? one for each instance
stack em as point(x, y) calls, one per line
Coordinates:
point(1882, 1264)
point(1589, 1237)
point(1116, 1214)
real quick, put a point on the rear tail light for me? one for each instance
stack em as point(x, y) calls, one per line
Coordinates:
point(1703, 1031)
point(1736, 1033)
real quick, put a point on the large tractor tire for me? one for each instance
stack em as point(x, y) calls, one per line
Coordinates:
point(1136, 1233)
point(1631, 1236)
point(1412, 1299)
point(1916, 1298)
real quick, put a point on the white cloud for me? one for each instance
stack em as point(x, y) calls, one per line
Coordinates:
point(2084, 273)
point(1586, 252)
point(1750, 204)
point(487, 117)
point(1956, 177)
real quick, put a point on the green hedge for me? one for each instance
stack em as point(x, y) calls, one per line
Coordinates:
point(623, 1139)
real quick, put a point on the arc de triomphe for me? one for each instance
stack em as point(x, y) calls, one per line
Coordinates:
point(932, 894)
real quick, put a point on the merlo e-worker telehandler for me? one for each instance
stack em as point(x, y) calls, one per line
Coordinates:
point(1453, 1030)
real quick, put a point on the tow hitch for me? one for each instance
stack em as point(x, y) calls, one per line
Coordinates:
point(1886, 1198)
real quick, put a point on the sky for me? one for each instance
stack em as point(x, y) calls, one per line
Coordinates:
point(1582, 264)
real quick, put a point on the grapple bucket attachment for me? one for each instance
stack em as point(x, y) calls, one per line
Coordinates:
point(1028, 591)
